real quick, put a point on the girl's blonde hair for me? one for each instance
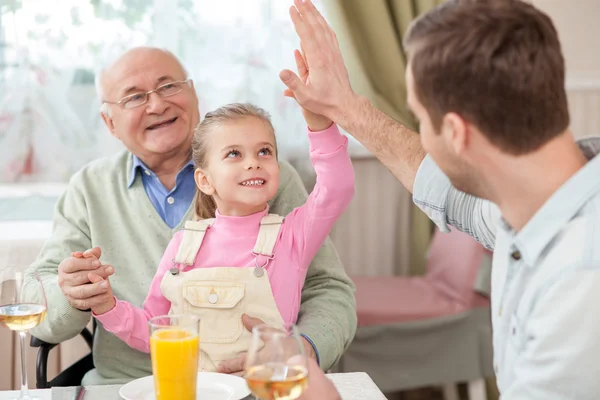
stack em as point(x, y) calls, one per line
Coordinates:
point(204, 205)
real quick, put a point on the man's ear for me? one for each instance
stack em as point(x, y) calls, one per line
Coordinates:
point(203, 183)
point(455, 131)
point(104, 112)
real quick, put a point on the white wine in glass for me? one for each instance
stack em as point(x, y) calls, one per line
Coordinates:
point(18, 314)
point(276, 367)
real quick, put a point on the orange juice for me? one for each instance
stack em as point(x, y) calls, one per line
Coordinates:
point(174, 354)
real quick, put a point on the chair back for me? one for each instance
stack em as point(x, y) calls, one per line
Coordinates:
point(453, 265)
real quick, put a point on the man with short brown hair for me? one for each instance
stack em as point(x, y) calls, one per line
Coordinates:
point(486, 81)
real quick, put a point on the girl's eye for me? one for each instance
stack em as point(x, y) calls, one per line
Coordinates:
point(233, 153)
point(265, 152)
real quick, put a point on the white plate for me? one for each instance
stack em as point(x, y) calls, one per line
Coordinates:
point(210, 385)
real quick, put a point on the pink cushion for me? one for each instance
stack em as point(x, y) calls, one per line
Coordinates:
point(382, 300)
point(446, 289)
point(453, 262)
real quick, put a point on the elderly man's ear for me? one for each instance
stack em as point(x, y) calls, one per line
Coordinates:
point(105, 113)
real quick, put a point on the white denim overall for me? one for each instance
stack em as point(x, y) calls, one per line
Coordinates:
point(220, 295)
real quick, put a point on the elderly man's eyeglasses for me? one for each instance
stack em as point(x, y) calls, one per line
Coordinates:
point(138, 99)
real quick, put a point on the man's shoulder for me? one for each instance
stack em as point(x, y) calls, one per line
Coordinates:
point(576, 246)
point(106, 168)
point(100, 175)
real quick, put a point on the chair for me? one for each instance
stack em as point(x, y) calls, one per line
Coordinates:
point(73, 374)
point(428, 330)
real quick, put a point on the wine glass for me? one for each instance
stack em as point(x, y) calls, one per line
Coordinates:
point(276, 367)
point(20, 311)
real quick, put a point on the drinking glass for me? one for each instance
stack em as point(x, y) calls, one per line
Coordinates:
point(19, 312)
point(276, 367)
point(174, 347)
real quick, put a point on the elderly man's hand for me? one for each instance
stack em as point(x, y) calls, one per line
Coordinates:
point(236, 366)
point(74, 279)
point(324, 87)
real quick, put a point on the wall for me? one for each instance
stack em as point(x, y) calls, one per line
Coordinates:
point(578, 29)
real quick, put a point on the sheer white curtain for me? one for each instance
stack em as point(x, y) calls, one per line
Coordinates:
point(49, 122)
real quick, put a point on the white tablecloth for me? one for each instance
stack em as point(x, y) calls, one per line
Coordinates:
point(352, 386)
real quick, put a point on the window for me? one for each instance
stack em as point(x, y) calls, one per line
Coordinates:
point(49, 119)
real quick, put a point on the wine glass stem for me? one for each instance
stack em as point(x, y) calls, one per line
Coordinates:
point(24, 392)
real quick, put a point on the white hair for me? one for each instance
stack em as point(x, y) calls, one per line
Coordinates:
point(108, 62)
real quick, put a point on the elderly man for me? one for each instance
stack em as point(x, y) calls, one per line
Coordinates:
point(127, 207)
point(486, 81)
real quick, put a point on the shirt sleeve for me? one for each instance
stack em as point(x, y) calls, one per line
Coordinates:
point(129, 323)
point(70, 232)
point(307, 226)
point(327, 290)
point(561, 351)
point(445, 205)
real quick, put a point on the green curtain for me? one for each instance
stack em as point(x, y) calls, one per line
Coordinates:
point(376, 28)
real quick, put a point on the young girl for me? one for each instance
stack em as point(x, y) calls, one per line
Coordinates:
point(237, 258)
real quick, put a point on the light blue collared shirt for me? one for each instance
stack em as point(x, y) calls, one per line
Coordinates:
point(545, 281)
point(170, 205)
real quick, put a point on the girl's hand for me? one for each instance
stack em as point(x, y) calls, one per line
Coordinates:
point(314, 121)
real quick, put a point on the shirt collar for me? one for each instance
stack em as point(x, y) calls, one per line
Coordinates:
point(562, 206)
point(137, 164)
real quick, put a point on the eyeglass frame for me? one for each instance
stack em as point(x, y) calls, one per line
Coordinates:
point(147, 94)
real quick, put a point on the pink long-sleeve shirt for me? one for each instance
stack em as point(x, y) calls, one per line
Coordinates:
point(230, 242)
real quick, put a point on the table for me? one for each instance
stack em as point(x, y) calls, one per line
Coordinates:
point(352, 386)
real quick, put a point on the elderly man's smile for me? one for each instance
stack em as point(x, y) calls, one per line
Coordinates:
point(162, 124)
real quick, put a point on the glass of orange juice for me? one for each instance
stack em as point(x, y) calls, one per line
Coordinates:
point(174, 347)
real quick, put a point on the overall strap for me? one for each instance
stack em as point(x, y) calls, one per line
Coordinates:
point(268, 233)
point(193, 235)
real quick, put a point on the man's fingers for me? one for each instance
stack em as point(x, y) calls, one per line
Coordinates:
point(251, 322)
point(314, 22)
point(232, 366)
point(105, 271)
point(86, 291)
point(81, 277)
point(95, 252)
point(303, 30)
point(317, 15)
point(307, 13)
point(95, 278)
point(71, 265)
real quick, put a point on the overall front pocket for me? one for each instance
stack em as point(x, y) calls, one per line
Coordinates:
point(220, 307)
